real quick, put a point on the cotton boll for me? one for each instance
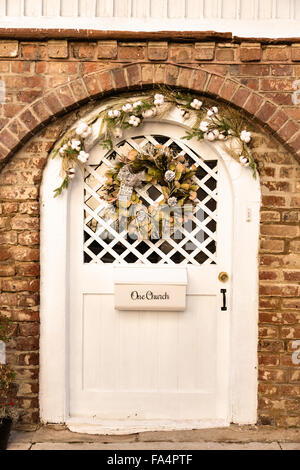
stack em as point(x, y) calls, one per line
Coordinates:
point(127, 108)
point(211, 136)
point(158, 99)
point(244, 161)
point(76, 145)
point(196, 104)
point(83, 156)
point(81, 128)
point(245, 136)
point(204, 126)
point(137, 104)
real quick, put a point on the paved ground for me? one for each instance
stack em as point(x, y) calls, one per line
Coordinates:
point(53, 437)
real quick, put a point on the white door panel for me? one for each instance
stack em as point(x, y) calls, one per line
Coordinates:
point(150, 365)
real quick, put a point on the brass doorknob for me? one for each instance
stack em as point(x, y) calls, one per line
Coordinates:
point(223, 277)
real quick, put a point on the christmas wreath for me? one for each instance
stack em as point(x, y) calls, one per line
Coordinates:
point(154, 165)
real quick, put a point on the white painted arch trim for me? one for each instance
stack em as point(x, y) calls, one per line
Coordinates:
point(55, 287)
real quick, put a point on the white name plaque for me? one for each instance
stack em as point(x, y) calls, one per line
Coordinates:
point(150, 289)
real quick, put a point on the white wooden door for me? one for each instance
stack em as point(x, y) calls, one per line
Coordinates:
point(147, 369)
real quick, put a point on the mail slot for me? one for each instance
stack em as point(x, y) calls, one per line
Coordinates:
point(140, 288)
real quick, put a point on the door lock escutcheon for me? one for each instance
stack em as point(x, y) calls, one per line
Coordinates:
point(223, 277)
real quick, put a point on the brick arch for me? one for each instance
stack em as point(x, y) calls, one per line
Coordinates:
point(66, 97)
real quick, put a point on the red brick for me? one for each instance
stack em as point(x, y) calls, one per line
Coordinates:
point(273, 201)
point(105, 80)
point(253, 103)
point(158, 50)
point(276, 53)
point(32, 51)
point(266, 111)
point(8, 238)
point(92, 85)
point(181, 53)
point(215, 84)
point(58, 49)
point(225, 54)
point(29, 238)
point(172, 73)
point(277, 120)
point(288, 130)
point(240, 96)
point(8, 139)
point(66, 96)
point(286, 231)
point(29, 120)
point(199, 79)
point(228, 89)
point(147, 73)
point(279, 290)
point(205, 50)
point(28, 269)
point(184, 78)
point(250, 52)
point(107, 49)
point(281, 70)
point(9, 48)
point(52, 102)
point(133, 52)
point(273, 246)
point(273, 375)
point(84, 50)
point(119, 78)
point(254, 70)
point(7, 269)
point(276, 84)
point(22, 253)
point(78, 90)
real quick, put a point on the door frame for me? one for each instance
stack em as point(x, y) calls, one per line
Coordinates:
point(54, 289)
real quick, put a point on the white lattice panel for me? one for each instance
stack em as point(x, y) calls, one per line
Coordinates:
point(192, 243)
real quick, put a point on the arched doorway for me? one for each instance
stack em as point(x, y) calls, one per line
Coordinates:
point(128, 371)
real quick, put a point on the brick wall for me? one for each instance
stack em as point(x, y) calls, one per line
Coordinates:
point(49, 84)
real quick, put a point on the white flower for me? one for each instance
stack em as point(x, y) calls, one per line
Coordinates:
point(118, 134)
point(169, 175)
point(209, 136)
point(244, 161)
point(204, 126)
point(172, 201)
point(134, 121)
point(76, 145)
point(137, 104)
point(212, 111)
point(63, 149)
point(196, 104)
point(113, 113)
point(159, 99)
point(81, 128)
point(83, 156)
point(245, 136)
point(127, 108)
point(148, 113)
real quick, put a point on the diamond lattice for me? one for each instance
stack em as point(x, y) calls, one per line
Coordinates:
point(193, 243)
